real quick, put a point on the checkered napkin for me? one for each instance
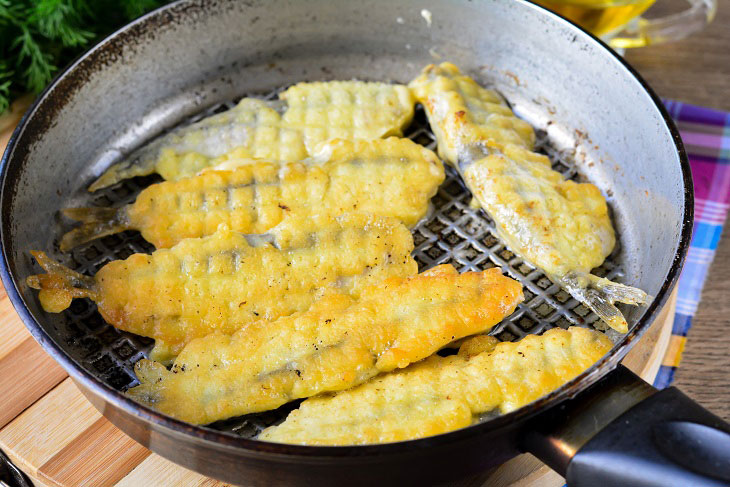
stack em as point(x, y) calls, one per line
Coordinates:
point(706, 137)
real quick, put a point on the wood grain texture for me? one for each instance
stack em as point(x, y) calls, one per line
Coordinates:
point(697, 70)
point(165, 473)
point(12, 331)
point(27, 373)
point(11, 117)
point(98, 457)
point(34, 437)
point(643, 360)
point(704, 373)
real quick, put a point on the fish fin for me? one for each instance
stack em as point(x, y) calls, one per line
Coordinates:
point(97, 223)
point(600, 294)
point(60, 285)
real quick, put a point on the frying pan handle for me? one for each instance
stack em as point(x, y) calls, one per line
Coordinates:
point(622, 431)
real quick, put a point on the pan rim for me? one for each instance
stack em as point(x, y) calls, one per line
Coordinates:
point(220, 439)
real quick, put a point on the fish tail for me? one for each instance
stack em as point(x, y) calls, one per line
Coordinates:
point(600, 294)
point(144, 393)
point(140, 163)
point(96, 223)
point(60, 285)
point(621, 293)
point(150, 374)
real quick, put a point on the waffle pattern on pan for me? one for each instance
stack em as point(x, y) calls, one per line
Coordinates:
point(454, 232)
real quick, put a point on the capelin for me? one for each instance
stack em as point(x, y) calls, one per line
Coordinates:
point(60, 285)
point(284, 130)
point(390, 177)
point(559, 226)
point(97, 223)
point(338, 342)
point(441, 394)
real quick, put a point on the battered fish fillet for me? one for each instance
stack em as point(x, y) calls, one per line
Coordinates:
point(560, 226)
point(462, 114)
point(312, 113)
point(225, 281)
point(443, 394)
point(389, 177)
point(347, 110)
point(338, 343)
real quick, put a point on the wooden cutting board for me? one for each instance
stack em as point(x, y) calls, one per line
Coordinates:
point(51, 432)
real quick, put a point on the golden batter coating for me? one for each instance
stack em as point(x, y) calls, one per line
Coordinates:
point(389, 177)
point(442, 394)
point(561, 227)
point(462, 114)
point(474, 345)
point(253, 126)
point(347, 110)
point(557, 224)
point(225, 281)
point(312, 113)
point(339, 342)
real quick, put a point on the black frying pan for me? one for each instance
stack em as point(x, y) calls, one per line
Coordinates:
point(605, 427)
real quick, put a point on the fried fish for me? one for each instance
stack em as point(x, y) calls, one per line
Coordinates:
point(389, 177)
point(347, 110)
point(463, 114)
point(443, 394)
point(560, 226)
point(312, 113)
point(227, 280)
point(341, 341)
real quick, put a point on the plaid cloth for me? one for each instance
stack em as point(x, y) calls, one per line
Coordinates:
point(706, 136)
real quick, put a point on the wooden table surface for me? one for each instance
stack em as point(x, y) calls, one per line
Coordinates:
point(697, 70)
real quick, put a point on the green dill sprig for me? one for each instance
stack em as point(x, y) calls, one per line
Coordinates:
point(37, 37)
